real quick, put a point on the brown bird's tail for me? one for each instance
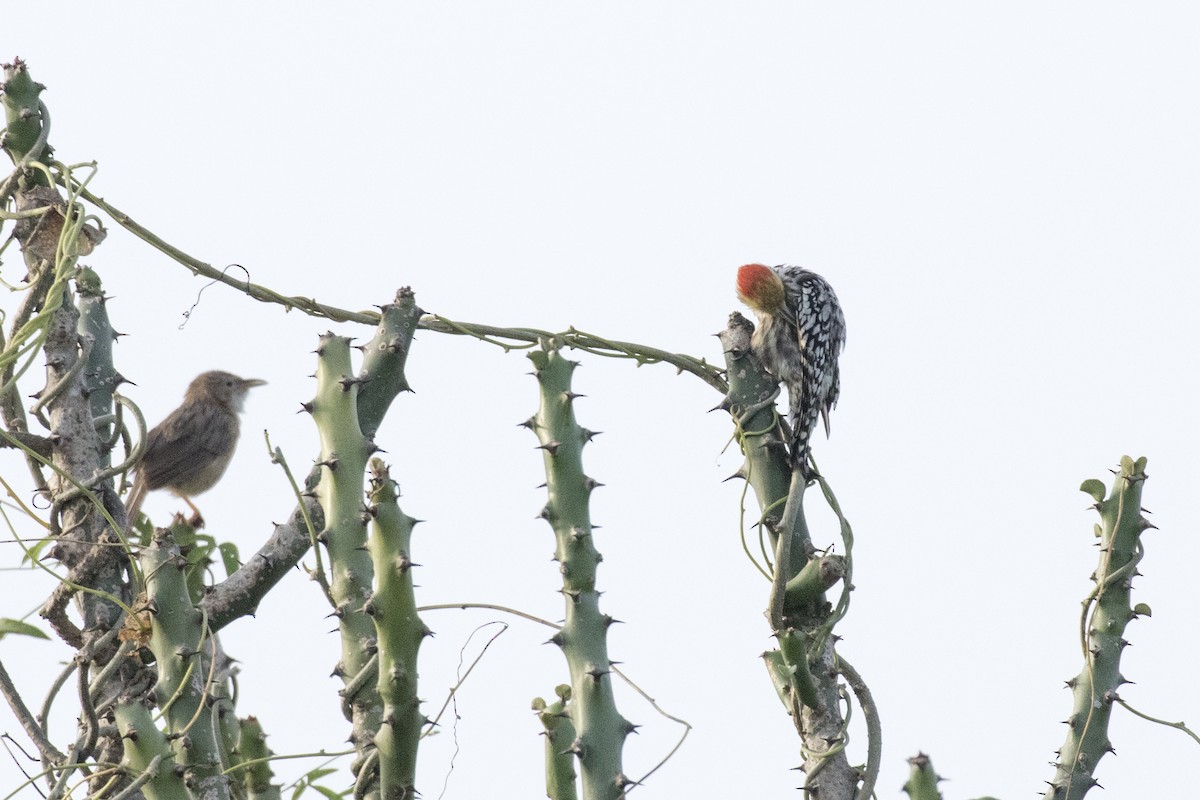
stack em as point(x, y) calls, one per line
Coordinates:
point(133, 502)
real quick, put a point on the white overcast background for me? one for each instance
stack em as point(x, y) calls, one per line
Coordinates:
point(1004, 196)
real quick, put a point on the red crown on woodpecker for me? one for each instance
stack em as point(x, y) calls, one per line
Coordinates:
point(760, 288)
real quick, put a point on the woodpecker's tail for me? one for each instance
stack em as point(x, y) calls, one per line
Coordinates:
point(803, 423)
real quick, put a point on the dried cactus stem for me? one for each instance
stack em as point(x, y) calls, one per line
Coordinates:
point(344, 453)
point(600, 729)
point(1107, 612)
point(400, 632)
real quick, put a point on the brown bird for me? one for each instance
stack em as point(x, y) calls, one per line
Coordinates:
point(189, 450)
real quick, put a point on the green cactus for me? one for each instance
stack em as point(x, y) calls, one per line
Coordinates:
point(23, 138)
point(147, 750)
point(804, 669)
point(560, 733)
point(922, 780)
point(400, 632)
point(1106, 613)
point(382, 375)
point(252, 747)
point(600, 729)
point(178, 639)
point(344, 453)
point(100, 377)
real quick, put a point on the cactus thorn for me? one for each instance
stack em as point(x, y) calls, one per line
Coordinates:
point(550, 447)
point(529, 423)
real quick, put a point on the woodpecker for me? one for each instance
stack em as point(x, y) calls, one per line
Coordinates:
point(800, 333)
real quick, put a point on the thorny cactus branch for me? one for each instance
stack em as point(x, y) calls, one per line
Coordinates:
point(147, 751)
point(600, 729)
point(379, 380)
point(560, 733)
point(804, 669)
point(26, 125)
point(1106, 612)
point(400, 631)
point(254, 762)
point(252, 750)
point(382, 374)
point(344, 453)
point(922, 780)
point(179, 638)
point(100, 377)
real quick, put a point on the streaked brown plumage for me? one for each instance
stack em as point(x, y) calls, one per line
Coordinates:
point(188, 451)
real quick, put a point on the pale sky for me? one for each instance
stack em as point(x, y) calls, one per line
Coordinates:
point(1004, 198)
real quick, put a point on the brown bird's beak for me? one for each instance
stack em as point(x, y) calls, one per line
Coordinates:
point(250, 383)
